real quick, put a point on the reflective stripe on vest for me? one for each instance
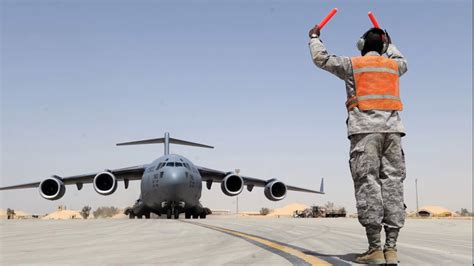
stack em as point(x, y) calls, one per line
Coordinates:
point(375, 69)
point(376, 84)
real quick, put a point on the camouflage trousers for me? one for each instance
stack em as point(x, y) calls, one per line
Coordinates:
point(377, 165)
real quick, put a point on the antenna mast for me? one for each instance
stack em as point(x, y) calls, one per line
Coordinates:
point(416, 189)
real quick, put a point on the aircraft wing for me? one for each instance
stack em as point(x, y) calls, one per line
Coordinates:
point(211, 175)
point(129, 173)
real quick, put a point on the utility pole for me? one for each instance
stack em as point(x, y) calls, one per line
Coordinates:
point(237, 171)
point(416, 189)
point(237, 207)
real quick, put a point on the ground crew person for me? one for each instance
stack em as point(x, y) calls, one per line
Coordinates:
point(375, 129)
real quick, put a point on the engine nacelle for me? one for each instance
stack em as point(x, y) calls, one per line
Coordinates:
point(52, 188)
point(232, 185)
point(105, 183)
point(275, 190)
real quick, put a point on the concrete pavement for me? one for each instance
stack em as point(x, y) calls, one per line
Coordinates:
point(218, 240)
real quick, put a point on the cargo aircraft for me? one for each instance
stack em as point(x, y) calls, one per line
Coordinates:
point(170, 185)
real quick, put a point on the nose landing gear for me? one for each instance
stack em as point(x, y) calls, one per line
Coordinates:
point(172, 213)
point(174, 210)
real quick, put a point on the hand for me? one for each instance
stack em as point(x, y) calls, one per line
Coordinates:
point(314, 32)
point(389, 40)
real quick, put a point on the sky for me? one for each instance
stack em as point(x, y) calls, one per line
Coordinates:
point(79, 76)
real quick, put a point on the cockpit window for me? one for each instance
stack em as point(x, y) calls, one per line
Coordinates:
point(178, 165)
point(170, 164)
point(160, 165)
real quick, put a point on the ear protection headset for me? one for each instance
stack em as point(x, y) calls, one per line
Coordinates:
point(361, 42)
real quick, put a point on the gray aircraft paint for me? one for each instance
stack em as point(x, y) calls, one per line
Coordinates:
point(171, 178)
point(170, 184)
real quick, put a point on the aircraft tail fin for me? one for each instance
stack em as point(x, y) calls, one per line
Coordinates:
point(166, 140)
point(321, 188)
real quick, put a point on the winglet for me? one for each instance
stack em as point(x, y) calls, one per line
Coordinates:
point(321, 188)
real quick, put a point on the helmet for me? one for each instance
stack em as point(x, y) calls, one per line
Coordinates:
point(374, 39)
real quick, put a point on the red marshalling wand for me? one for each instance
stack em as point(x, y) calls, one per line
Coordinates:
point(374, 20)
point(327, 18)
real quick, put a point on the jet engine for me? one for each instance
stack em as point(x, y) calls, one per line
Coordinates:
point(52, 188)
point(232, 185)
point(275, 190)
point(105, 183)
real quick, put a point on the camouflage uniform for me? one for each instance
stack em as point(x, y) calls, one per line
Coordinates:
point(378, 168)
point(376, 157)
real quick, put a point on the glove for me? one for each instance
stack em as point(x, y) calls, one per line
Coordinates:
point(389, 40)
point(314, 32)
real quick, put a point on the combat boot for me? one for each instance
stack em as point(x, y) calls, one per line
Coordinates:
point(371, 256)
point(391, 256)
point(390, 248)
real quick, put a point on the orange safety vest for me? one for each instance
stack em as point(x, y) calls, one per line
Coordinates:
point(376, 84)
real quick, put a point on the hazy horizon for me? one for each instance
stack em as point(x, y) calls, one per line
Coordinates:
point(79, 76)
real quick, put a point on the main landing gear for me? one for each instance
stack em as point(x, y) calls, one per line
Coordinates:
point(192, 213)
point(132, 215)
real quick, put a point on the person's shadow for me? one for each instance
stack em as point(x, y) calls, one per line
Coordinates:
point(336, 259)
point(347, 259)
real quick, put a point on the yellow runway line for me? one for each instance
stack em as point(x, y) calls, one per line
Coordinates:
point(312, 260)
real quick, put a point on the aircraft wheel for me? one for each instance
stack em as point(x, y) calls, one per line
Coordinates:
point(139, 216)
point(131, 216)
point(195, 216)
point(176, 214)
point(187, 215)
point(147, 216)
point(168, 214)
point(203, 215)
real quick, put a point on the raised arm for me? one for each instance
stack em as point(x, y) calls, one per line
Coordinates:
point(393, 53)
point(337, 65)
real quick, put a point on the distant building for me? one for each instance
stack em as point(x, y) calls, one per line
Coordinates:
point(220, 212)
point(434, 211)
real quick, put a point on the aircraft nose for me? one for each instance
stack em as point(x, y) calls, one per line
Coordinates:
point(174, 178)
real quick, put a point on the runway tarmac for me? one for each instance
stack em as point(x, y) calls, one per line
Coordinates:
point(230, 240)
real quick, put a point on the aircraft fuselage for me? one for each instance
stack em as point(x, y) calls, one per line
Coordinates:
point(171, 181)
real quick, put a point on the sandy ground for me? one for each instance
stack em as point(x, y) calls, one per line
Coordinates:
point(63, 215)
point(158, 241)
point(288, 210)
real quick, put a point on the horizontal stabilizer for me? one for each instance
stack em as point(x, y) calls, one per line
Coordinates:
point(162, 140)
point(188, 143)
point(167, 140)
point(146, 141)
